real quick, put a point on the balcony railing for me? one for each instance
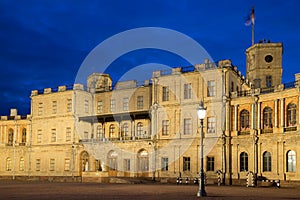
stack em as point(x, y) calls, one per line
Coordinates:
point(127, 138)
point(244, 133)
point(289, 129)
point(268, 130)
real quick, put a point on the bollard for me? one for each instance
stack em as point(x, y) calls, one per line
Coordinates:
point(186, 180)
point(180, 180)
point(177, 180)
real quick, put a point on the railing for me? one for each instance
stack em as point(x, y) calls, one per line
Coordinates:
point(268, 130)
point(22, 144)
point(266, 90)
point(289, 129)
point(244, 133)
point(127, 138)
point(244, 93)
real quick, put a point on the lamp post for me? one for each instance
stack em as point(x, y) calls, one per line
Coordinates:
point(201, 111)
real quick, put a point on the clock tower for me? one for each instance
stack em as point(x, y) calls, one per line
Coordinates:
point(264, 64)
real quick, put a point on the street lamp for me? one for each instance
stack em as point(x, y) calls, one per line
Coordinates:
point(201, 111)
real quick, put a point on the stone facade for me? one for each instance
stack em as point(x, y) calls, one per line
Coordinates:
point(152, 130)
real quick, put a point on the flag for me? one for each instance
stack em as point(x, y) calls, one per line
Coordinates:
point(250, 18)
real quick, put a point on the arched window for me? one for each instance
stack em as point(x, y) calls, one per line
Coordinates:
point(139, 129)
point(244, 116)
point(111, 131)
point(23, 135)
point(125, 130)
point(10, 136)
point(291, 161)
point(291, 114)
point(243, 162)
point(267, 161)
point(267, 118)
point(143, 161)
point(113, 160)
point(8, 164)
point(21, 167)
point(99, 132)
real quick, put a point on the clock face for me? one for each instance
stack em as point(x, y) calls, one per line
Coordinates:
point(268, 58)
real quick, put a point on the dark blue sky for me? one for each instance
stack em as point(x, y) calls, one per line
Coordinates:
point(44, 42)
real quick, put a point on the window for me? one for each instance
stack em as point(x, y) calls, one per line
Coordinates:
point(69, 105)
point(211, 125)
point(267, 162)
point(52, 164)
point(211, 88)
point(165, 127)
point(165, 93)
point(210, 164)
point(8, 164)
point(10, 136)
point(125, 131)
point(291, 161)
point(99, 106)
point(139, 129)
point(86, 135)
point(125, 104)
point(54, 107)
point(244, 120)
point(140, 102)
point(267, 118)
point(86, 106)
point(243, 162)
point(112, 105)
point(143, 161)
point(40, 109)
point(68, 134)
point(112, 160)
point(187, 126)
point(164, 164)
point(186, 164)
point(99, 132)
point(39, 136)
point(37, 164)
point(268, 81)
point(22, 164)
point(187, 91)
point(126, 164)
point(232, 86)
point(53, 135)
point(291, 114)
point(111, 131)
point(23, 135)
point(67, 164)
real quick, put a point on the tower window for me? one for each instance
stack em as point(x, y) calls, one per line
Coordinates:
point(269, 81)
point(268, 58)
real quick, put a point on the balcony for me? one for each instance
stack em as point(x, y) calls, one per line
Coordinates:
point(289, 129)
point(244, 132)
point(268, 130)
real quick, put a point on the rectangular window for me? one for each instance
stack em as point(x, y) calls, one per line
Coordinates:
point(269, 81)
point(54, 107)
point(53, 135)
point(8, 164)
point(52, 164)
point(69, 105)
point(186, 164)
point(210, 164)
point(188, 91)
point(211, 88)
point(165, 96)
point(86, 135)
point(165, 127)
point(125, 104)
point(211, 125)
point(40, 109)
point(112, 105)
point(187, 126)
point(140, 102)
point(22, 164)
point(99, 106)
point(38, 165)
point(126, 164)
point(67, 164)
point(164, 164)
point(68, 134)
point(39, 136)
point(86, 106)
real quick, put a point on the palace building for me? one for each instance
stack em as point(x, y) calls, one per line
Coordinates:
point(105, 133)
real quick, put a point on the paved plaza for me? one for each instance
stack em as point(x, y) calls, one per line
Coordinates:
point(66, 191)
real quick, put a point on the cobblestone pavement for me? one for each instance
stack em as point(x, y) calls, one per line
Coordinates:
point(66, 191)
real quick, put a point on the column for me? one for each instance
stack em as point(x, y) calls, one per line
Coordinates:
point(276, 113)
point(258, 115)
point(281, 112)
point(253, 116)
point(299, 110)
point(235, 117)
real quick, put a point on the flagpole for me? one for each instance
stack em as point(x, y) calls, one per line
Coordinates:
point(252, 34)
point(252, 22)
